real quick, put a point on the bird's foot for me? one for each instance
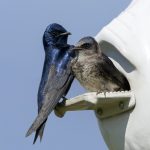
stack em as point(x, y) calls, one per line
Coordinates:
point(64, 99)
point(100, 91)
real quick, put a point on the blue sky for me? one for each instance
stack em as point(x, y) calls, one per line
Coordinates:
point(22, 24)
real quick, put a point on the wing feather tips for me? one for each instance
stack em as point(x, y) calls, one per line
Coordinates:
point(30, 131)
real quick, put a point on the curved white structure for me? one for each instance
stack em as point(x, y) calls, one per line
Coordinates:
point(126, 40)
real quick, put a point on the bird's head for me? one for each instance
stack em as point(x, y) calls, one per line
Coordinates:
point(55, 34)
point(86, 45)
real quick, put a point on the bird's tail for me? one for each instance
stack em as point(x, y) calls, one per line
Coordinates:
point(39, 132)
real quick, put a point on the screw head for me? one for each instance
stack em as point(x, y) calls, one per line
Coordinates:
point(121, 105)
point(100, 111)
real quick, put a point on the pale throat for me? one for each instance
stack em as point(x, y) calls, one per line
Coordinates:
point(82, 55)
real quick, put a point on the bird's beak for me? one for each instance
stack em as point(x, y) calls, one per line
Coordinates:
point(76, 48)
point(65, 33)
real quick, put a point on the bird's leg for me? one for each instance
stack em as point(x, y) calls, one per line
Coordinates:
point(64, 99)
point(100, 91)
point(105, 93)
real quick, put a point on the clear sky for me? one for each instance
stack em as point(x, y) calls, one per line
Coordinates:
point(22, 24)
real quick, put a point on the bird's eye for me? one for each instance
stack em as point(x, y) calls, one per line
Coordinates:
point(86, 45)
point(54, 33)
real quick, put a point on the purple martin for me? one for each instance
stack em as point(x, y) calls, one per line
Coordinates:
point(56, 77)
point(94, 70)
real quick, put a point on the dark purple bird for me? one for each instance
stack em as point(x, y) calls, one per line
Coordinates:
point(56, 77)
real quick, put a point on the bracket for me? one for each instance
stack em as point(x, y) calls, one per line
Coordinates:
point(105, 104)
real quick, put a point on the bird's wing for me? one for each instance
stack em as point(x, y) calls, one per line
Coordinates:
point(59, 78)
point(50, 59)
point(111, 73)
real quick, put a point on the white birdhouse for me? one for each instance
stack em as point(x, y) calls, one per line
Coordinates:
point(124, 117)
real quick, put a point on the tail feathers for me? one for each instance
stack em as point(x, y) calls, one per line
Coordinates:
point(39, 132)
point(40, 119)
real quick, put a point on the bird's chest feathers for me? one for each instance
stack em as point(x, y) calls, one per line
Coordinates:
point(85, 72)
point(90, 75)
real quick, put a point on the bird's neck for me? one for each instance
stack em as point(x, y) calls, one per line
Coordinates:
point(83, 54)
point(62, 39)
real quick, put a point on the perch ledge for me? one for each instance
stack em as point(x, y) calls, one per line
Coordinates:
point(105, 104)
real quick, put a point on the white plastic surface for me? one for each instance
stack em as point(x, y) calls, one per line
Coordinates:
point(126, 40)
point(106, 105)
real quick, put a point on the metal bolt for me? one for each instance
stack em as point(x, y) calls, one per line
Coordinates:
point(100, 111)
point(121, 105)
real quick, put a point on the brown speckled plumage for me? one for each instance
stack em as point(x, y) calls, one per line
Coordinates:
point(94, 70)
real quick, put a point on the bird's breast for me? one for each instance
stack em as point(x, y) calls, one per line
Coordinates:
point(88, 74)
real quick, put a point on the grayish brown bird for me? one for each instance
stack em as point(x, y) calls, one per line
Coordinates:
point(94, 70)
